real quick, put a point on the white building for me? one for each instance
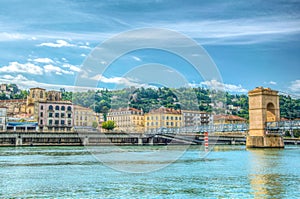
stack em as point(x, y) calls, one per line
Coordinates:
point(3, 114)
point(195, 118)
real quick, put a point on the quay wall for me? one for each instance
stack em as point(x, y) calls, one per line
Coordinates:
point(96, 138)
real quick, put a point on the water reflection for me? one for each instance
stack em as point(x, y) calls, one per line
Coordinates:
point(264, 178)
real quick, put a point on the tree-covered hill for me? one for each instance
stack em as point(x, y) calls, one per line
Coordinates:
point(149, 98)
point(183, 98)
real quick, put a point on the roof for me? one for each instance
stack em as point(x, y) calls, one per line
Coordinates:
point(57, 102)
point(82, 107)
point(23, 124)
point(165, 110)
point(229, 118)
point(125, 109)
point(194, 111)
point(37, 88)
point(13, 100)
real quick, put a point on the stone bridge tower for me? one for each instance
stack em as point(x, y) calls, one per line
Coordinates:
point(263, 107)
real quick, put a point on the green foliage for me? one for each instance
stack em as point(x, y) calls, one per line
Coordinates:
point(109, 125)
point(101, 101)
point(95, 124)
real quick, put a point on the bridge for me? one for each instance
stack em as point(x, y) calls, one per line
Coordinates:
point(279, 127)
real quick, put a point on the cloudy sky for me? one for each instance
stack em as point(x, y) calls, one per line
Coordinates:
point(253, 43)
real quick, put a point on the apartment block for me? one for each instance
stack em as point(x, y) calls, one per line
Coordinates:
point(163, 117)
point(127, 119)
point(195, 118)
point(55, 115)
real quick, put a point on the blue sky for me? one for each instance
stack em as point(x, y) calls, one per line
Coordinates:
point(253, 43)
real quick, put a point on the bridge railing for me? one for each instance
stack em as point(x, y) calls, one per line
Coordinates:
point(283, 125)
point(239, 127)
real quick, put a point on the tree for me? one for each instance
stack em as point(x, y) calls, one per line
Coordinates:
point(109, 125)
point(95, 124)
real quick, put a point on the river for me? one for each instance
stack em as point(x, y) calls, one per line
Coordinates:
point(226, 172)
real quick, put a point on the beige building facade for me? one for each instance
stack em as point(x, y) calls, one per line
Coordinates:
point(84, 117)
point(163, 118)
point(127, 119)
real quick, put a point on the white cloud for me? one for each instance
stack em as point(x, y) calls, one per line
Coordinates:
point(59, 43)
point(295, 86)
point(72, 67)
point(44, 60)
point(25, 83)
point(116, 80)
point(85, 47)
point(8, 77)
point(271, 83)
point(214, 84)
point(136, 58)
point(15, 67)
point(57, 70)
point(83, 55)
point(5, 36)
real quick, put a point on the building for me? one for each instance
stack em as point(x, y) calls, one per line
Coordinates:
point(195, 118)
point(127, 119)
point(3, 115)
point(14, 106)
point(85, 117)
point(35, 95)
point(163, 118)
point(228, 119)
point(55, 116)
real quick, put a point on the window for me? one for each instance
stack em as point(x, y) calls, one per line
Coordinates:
point(50, 107)
point(42, 107)
point(56, 114)
point(56, 122)
point(69, 115)
point(57, 108)
point(62, 115)
point(62, 122)
point(50, 114)
point(41, 94)
point(69, 122)
point(42, 115)
point(41, 122)
point(171, 123)
point(69, 108)
point(171, 117)
point(63, 108)
point(50, 122)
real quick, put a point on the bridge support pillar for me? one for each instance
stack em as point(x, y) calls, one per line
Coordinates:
point(151, 141)
point(268, 141)
point(140, 141)
point(19, 141)
point(263, 108)
point(85, 140)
